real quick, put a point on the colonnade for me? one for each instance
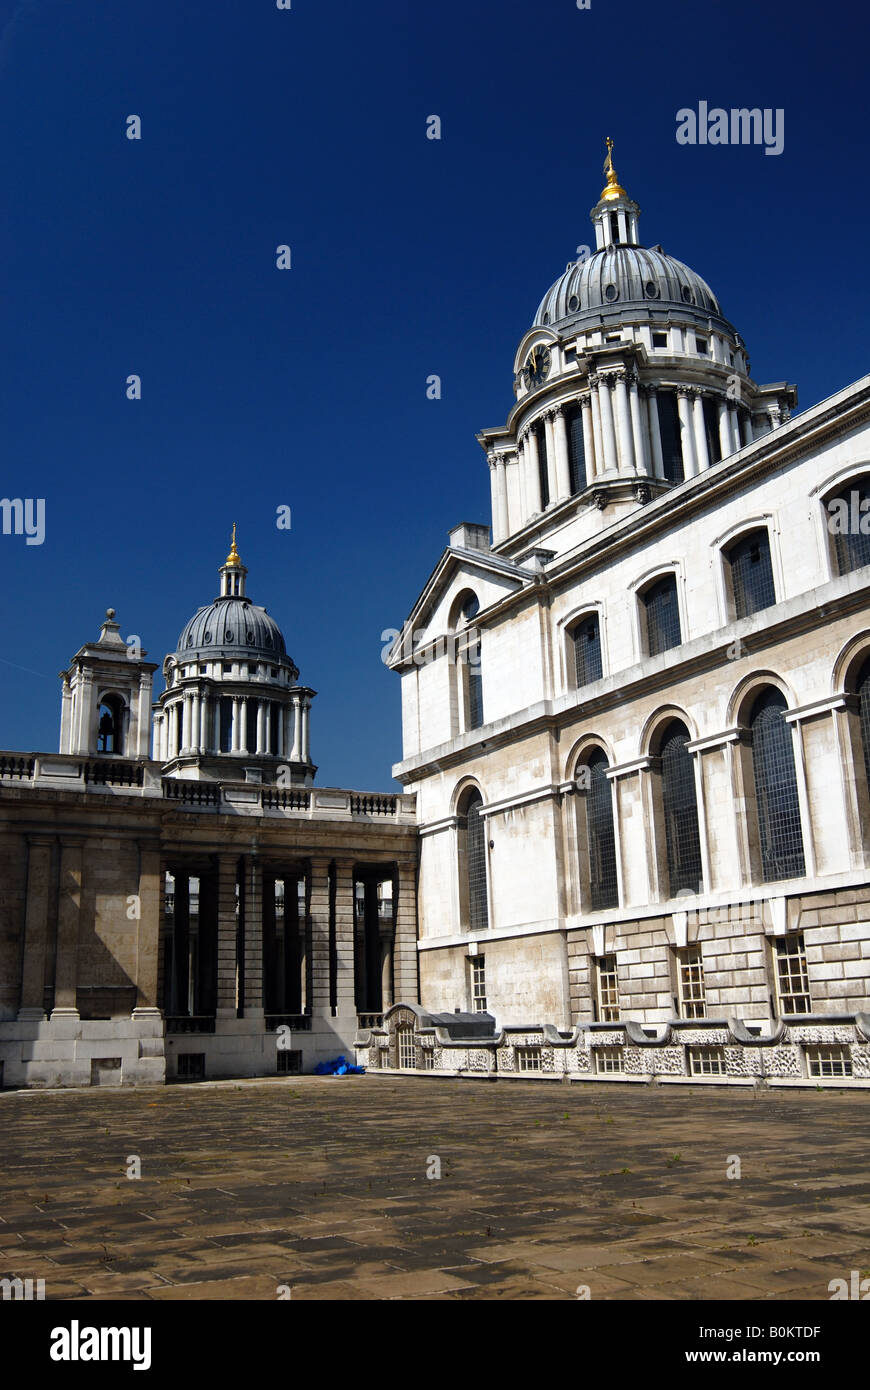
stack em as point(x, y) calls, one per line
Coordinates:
point(190, 724)
point(621, 436)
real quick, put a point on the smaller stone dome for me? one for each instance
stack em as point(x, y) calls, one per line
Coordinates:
point(232, 625)
point(624, 275)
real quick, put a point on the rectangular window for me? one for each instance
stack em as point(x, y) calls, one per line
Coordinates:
point(706, 1061)
point(427, 1057)
point(191, 1065)
point(828, 1061)
point(701, 346)
point(586, 642)
point(662, 613)
point(528, 1059)
point(751, 574)
point(608, 990)
point(608, 1060)
point(478, 984)
point(792, 980)
point(289, 1062)
point(660, 340)
point(690, 978)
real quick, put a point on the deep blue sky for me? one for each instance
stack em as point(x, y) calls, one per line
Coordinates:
point(410, 257)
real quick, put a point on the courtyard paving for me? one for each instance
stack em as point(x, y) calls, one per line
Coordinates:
point(319, 1186)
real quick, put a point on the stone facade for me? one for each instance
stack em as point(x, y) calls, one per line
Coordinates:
point(637, 718)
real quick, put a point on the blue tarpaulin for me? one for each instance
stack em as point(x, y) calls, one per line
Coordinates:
point(339, 1066)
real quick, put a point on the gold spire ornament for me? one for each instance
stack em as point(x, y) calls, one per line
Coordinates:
point(613, 189)
point(233, 558)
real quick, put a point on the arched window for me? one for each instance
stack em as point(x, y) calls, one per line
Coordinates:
point(110, 728)
point(585, 650)
point(472, 863)
point(594, 786)
point(751, 574)
point(776, 795)
point(680, 811)
point(848, 521)
point(661, 614)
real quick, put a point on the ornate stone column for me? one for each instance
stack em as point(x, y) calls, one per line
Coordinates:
point(687, 431)
point(638, 426)
point(726, 438)
point(533, 477)
point(625, 446)
point(243, 724)
point(597, 436)
point(405, 943)
point(253, 1002)
point(550, 436)
point(608, 432)
point(33, 952)
point(227, 933)
point(588, 435)
point(702, 453)
point(563, 467)
point(655, 433)
point(68, 922)
point(321, 970)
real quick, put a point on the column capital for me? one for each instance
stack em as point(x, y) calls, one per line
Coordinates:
point(684, 390)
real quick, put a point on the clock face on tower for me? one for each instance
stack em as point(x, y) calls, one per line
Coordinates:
point(537, 366)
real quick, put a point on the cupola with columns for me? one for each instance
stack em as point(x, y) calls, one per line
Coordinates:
point(106, 697)
point(629, 381)
point(232, 708)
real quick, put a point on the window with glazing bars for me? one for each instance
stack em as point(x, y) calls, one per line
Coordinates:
point(478, 984)
point(776, 796)
point(476, 863)
point(828, 1061)
point(528, 1058)
point(407, 1049)
point(608, 990)
point(751, 574)
point(792, 980)
point(601, 840)
point(576, 449)
point(608, 1060)
point(662, 614)
point(680, 807)
point(851, 545)
point(586, 641)
point(690, 975)
point(706, 1061)
point(670, 432)
point(543, 474)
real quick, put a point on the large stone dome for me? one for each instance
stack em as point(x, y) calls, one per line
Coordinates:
point(232, 625)
point(618, 276)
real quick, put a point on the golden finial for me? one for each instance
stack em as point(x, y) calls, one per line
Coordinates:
point(613, 189)
point(233, 558)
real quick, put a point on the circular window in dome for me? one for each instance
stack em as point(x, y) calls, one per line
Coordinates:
point(190, 639)
point(268, 639)
point(206, 637)
point(651, 290)
point(573, 304)
point(546, 319)
point(687, 295)
point(249, 637)
point(611, 292)
point(228, 636)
